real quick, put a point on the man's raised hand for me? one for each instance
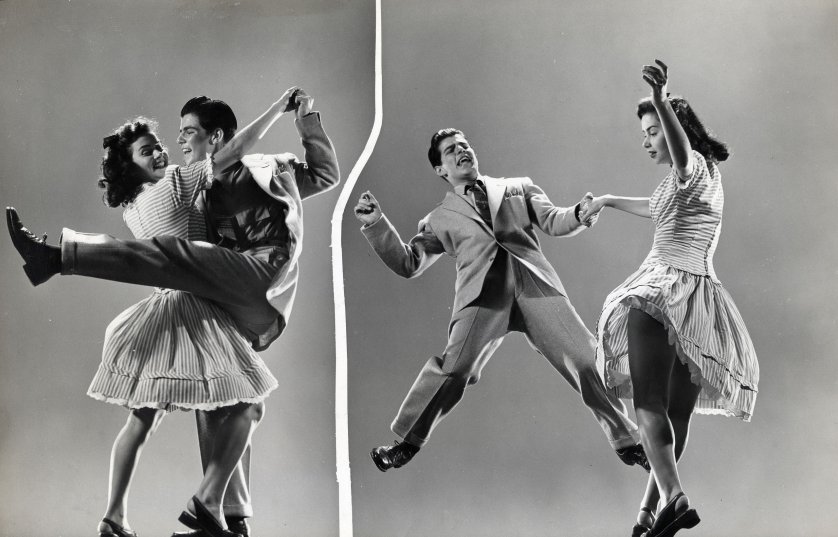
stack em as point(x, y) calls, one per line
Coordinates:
point(368, 211)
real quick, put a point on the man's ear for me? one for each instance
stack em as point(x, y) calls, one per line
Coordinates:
point(440, 171)
point(217, 137)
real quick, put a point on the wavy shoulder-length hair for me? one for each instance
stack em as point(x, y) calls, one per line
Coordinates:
point(121, 178)
point(701, 138)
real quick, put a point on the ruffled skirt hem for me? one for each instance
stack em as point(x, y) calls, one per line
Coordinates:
point(725, 390)
point(165, 393)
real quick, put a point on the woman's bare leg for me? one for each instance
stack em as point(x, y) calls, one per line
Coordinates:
point(127, 447)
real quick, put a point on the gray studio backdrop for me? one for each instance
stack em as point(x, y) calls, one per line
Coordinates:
point(548, 90)
point(544, 89)
point(69, 73)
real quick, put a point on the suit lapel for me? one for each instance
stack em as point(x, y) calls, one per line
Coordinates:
point(494, 191)
point(453, 202)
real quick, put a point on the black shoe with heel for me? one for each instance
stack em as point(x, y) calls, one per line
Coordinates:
point(205, 520)
point(115, 530)
point(671, 519)
point(395, 456)
point(42, 261)
point(235, 524)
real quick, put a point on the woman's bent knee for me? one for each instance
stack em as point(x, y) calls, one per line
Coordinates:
point(255, 411)
point(145, 421)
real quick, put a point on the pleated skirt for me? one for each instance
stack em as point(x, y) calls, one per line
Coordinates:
point(704, 326)
point(174, 350)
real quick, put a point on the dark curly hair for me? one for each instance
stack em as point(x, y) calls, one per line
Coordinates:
point(700, 137)
point(121, 178)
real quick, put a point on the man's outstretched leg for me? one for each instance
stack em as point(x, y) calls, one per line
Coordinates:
point(557, 332)
point(474, 334)
point(237, 282)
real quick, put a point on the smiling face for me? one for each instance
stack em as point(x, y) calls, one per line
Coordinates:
point(150, 156)
point(654, 142)
point(458, 160)
point(194, 140)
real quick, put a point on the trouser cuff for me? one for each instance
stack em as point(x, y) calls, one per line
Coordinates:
point(67, 244)
point(407, 435)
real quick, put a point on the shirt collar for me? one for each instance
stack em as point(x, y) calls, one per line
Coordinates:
point(462, 189)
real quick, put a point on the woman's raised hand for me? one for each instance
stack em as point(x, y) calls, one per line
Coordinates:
point(657, 77)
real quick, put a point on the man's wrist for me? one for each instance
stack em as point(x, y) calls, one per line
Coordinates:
point(374, 222)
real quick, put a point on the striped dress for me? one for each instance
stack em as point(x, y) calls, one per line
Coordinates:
point(173, 349)
point(677, 285)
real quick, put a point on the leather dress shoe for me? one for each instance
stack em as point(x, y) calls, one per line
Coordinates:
point(634, 455)
point(42, 261)
point(395, 456)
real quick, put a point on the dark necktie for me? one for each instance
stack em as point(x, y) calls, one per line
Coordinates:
point(481, 201)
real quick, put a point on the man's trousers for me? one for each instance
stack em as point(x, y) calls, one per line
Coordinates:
point(512, 299)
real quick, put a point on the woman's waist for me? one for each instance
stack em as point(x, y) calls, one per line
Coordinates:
point(699, 265)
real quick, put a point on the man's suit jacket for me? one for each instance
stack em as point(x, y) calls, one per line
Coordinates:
point(455, 227)
point(272, 186)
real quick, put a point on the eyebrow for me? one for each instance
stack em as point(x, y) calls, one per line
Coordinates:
point(454, 144)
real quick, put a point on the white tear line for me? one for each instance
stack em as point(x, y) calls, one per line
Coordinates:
point(341, 360)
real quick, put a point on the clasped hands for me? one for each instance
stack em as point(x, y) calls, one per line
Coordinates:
point(295, 100)
point(589, 209)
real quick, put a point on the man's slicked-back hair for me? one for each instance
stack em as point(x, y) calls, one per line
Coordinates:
point(212, 114)
point(433, 152)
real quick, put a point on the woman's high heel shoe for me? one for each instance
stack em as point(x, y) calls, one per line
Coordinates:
point(115, 530)
point(670, 519)
point(639, 530)
point(205, 520)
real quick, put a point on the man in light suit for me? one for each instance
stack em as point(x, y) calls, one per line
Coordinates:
point(504, 283)
point(255, 219)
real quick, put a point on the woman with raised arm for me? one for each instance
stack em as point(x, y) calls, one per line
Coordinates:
point(670, 336)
